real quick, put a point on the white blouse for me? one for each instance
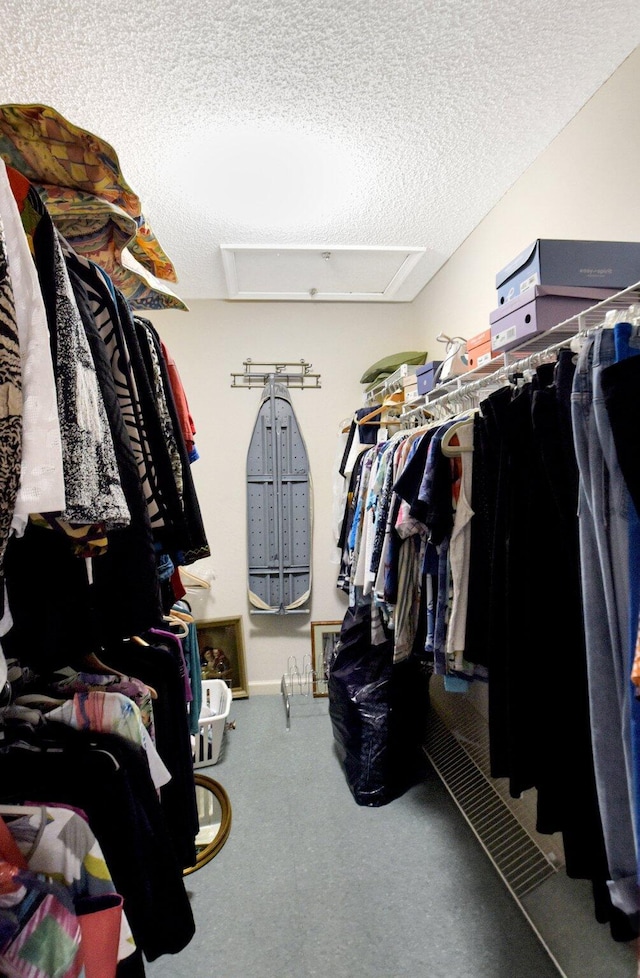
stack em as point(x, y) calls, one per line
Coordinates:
point(41, 488)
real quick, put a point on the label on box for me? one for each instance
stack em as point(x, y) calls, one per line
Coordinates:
point(485, 358)
point(411, 395)
point(506, 336)
point(529, 283)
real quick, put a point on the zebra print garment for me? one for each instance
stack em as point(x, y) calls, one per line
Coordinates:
point(10, 400)
point(110, 329)
point(150, 354)
point(193, 540)
point(176, 521)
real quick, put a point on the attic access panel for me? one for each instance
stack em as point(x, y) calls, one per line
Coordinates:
point(334, 274)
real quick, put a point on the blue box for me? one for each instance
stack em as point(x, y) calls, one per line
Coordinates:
point(426, 376)
point(591, 264)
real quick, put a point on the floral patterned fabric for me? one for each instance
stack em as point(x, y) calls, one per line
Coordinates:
point(80, 180)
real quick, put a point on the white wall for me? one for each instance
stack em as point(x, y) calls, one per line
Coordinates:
point(585, 185)
point(209, 343)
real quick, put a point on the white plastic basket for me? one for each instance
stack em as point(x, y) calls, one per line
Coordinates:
point(216, 703)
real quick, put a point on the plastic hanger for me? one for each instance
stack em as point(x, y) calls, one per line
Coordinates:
point(392, 400)
point(93, 664)
point(19, 810)
point(453, 451)
point(101, 750)
point(192, 580)
point(183, 628)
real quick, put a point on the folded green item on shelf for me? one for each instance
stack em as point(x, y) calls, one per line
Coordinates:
point(385, 367)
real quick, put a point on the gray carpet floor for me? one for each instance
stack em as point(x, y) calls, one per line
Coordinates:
point(310, 885)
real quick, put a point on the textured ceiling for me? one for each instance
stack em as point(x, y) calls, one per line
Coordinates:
point(369, 122)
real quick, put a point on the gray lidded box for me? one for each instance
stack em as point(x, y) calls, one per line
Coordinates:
point(591, 264)
point(537, 310)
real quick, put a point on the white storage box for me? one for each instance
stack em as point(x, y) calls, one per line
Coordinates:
point(216, 703)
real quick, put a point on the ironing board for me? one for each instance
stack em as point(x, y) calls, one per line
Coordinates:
point(279, 517)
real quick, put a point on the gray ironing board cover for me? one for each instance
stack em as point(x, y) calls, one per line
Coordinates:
point(279, 511)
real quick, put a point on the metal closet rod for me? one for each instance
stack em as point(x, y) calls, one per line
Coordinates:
point(499, 376)
point(578, 325)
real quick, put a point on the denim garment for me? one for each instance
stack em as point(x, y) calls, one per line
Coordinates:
point(627, 346)
point(604, 554)
point(435, 507)
point(430, 578)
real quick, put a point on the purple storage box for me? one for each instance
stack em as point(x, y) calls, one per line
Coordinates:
point(425, 376)
point(537, 310)
point(587, 264)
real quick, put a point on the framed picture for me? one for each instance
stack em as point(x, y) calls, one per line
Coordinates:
point(324, 635)
point(221, 647)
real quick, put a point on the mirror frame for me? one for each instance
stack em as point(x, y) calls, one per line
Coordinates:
point(211, 850)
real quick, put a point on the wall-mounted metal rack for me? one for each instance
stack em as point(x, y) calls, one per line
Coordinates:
point(291, 373)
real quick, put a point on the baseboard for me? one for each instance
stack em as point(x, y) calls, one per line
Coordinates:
point(270, 687)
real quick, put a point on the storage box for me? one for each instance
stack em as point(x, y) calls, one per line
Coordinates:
point(537, 310)
point(479, 349)
point(592, 264)
point(216, 703)
point(426, 376)
point(481, 355)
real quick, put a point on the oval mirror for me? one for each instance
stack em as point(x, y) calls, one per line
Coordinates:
point(214, 819)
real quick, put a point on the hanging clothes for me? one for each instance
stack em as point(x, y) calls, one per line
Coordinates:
point(113, 514)
point(92, 485)
point(11, 400)
point(41, 488)
point(109, 779)
point(58, 843)
point(496, 530)
point(195, 546)
point(158, 665)
point(605, 514)
point(127, 593)
point(187, 425)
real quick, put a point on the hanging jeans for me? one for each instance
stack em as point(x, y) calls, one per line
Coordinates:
point(604, 554)
point(619, 388)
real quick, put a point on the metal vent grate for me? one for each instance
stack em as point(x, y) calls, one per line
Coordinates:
point(518, 858)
